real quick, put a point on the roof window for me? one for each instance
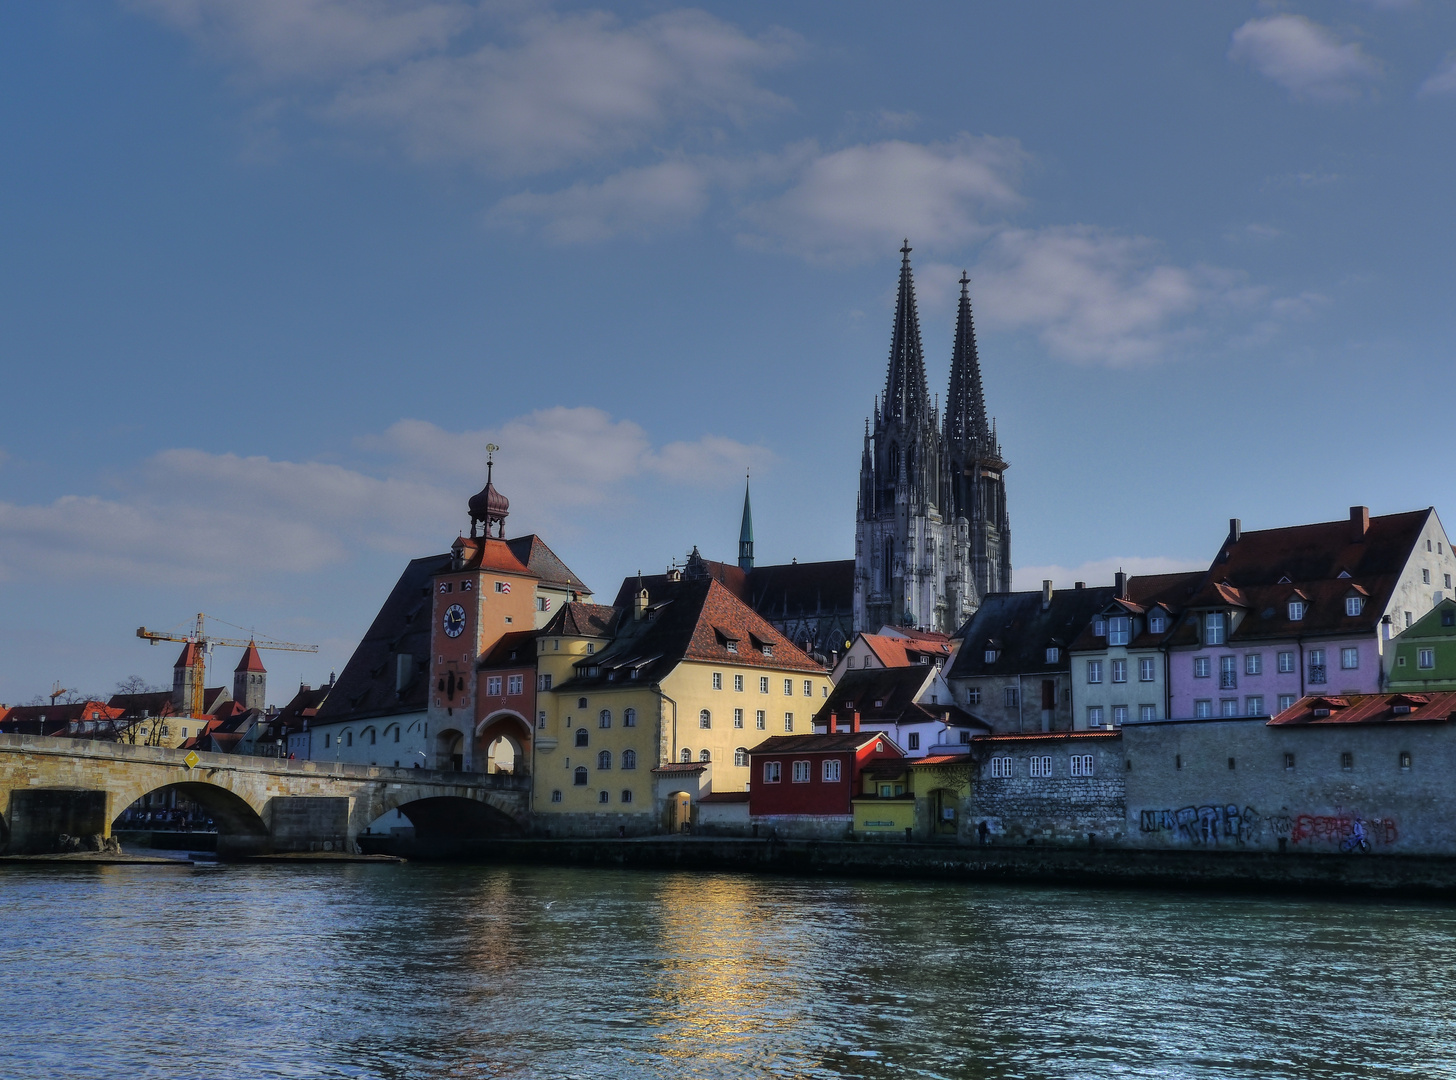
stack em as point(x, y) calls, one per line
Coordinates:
point(1296, 610)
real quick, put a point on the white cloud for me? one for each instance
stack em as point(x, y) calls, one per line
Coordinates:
point(1305, 58)
point(1100, 571)
point(1443, 79)
point(1091, 295)
point(635, 202)
point(544, 92)
point(188, 517)
point(857, 202)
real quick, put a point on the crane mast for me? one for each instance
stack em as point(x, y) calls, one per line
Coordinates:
point(201, 645)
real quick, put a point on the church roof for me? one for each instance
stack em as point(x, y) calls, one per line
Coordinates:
point(251, 661)
point(745, 531)
point(906, 396)
point(965, 407)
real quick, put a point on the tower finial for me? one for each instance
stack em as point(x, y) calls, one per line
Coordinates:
point(745, 533)
point(905, 250)
point(488, 506)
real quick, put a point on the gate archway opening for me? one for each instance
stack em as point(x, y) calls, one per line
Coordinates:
point(678, 813)
point(191, 807)
point(503, 745)
point(450, 751)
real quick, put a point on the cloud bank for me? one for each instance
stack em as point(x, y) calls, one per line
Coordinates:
point(1305, 58)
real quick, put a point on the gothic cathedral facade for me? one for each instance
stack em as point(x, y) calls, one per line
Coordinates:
point(931, 532)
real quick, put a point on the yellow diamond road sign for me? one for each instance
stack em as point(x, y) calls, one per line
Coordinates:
point(192, 759)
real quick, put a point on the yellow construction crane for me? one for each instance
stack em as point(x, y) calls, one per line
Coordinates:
point(203, 643)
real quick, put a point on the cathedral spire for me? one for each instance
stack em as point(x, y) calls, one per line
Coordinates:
point(906, 398)
point(745, 533)
point(965, 409)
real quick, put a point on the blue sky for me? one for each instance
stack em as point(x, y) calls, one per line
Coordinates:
point(273, 272)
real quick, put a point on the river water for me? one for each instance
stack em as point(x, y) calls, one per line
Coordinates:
point(403, 971)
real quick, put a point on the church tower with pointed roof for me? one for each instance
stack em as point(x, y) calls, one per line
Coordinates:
point(912, 559)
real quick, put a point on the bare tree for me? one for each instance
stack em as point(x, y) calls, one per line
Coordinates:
point(130, 729)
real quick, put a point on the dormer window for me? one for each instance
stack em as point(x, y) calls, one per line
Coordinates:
point(1296, 610)
point(1119, 629)
point(1213, 628)
point(767, 649)
point(1322, 710)
point(1353, 605)
point(990, 656)
point(1053, 654)
point(1401, 710)
point(731, 645)
point(1099, 627)
point(1156, 623)
point(590, 648)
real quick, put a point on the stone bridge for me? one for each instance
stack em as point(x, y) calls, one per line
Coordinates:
point(260, 805)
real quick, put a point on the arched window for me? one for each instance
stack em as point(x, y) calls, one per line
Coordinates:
point(372, 738)
point(396, 733)
point(703, 755)
point(604, 760)
point(740, 756)
point(604, 796)
point(350, 736)
point(629, 759)
point(556, 795)
point(581, 703)
point(604, 719)
point(705, 719)
point(687, 756)
point(579, 777)
point(626, 795)
point(629, 717)
point(581, 736)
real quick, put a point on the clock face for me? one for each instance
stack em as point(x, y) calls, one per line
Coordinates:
point(454, 620)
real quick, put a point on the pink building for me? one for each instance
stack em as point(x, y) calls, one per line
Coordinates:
point(1307, 609)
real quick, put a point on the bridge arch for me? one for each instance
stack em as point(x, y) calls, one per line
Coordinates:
point(240, 826)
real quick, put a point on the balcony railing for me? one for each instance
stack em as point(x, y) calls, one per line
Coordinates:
point(1316, 673)
point(1228, 680)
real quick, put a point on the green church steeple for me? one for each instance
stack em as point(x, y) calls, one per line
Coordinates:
point(745, 534)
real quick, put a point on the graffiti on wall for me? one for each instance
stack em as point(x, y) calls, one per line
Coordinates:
point(1226, 823)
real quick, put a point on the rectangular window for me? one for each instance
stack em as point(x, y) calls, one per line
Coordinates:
point(492, 685)
point(738, 683)
point(973, 695)
point(1405, 760)
point(1146, 671)
point(1147, 713)
point(1347, 761)
point(830, 771)
point(1316, 665)
point(1203, 708)
point(738, 718)
point(543, 682)
point(760, 719)
point(502, 587)
point(540, 723)
point(1228, 672)
point(1094, 715)
point(763, 684)
point(1119, 715)
point(1001, 768)
point(1448, 581)
point(808, 688)
point(1119, 630)
point(1349, 659)
point(1408, 620)
point(1253, 663)
point(1425, 658)
point(1254, 705)
point(1094, 671)
point(1296, 610)
point(773, 772)
point(801, 772)
point(1288, 762)
point(732, 645)
point(1039, 766)
point(1425, 577)
point(1119, 671)
point(913, 740)
point(1201, 667)
point(1286, 701)
point(1353, 605)
point(1156, 623)
point(1286, 663)
point(1053, 654)
point(788, 721)
point(717, 680)
point(1099, 626)
point(1011, 697)
point(1229, 706)
point(515, 684)
point(1081, 764)
point(788, 688)
point(1213, 625)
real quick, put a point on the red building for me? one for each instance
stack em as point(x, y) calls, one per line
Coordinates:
point(505, 702)
point(813, 778)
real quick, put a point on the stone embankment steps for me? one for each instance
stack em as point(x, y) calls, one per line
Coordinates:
point(1102, 867)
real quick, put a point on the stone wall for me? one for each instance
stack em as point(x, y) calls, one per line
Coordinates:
point(1066, 807)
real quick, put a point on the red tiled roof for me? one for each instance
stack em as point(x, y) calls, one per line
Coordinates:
point(942, 759)
point(490, 553)
point(683, 767)
point(251, 661)
point(903, 652)
point(1325, 709)
point(806, 744)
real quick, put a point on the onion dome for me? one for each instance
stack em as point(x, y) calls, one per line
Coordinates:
point(488, 505)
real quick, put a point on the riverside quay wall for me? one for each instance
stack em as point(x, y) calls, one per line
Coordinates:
point(1246, 785)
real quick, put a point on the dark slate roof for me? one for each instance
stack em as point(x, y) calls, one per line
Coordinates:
point(153, 703)
point(516, 649)
point(895, 690)
point(366, 685)
point(828, 744)
point(791, 590)
point(690, 619)
point(1171, 592)
point(1022, 631)
point(544, 563)
point(581, 620)
point(304, 706)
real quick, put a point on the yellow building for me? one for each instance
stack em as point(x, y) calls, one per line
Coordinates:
point(645, 707)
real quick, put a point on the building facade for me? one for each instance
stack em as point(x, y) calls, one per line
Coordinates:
point(1423, 658)
point(932, 535)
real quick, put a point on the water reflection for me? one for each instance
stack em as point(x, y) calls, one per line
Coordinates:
point(425, 972)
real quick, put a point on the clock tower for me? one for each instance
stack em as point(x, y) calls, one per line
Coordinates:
point(482, 594)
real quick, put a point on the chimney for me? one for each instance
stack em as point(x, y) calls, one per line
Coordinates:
point(1359, 523)
point(854, 721)
point(1079, 585)
point(1121, 580)
point(639, 605)
point(1046, 593)
point(1236, 530)
point(833, 723)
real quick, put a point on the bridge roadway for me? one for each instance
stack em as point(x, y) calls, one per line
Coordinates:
point(261, 805)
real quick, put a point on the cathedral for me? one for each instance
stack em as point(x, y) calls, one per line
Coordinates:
point(931, 532)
